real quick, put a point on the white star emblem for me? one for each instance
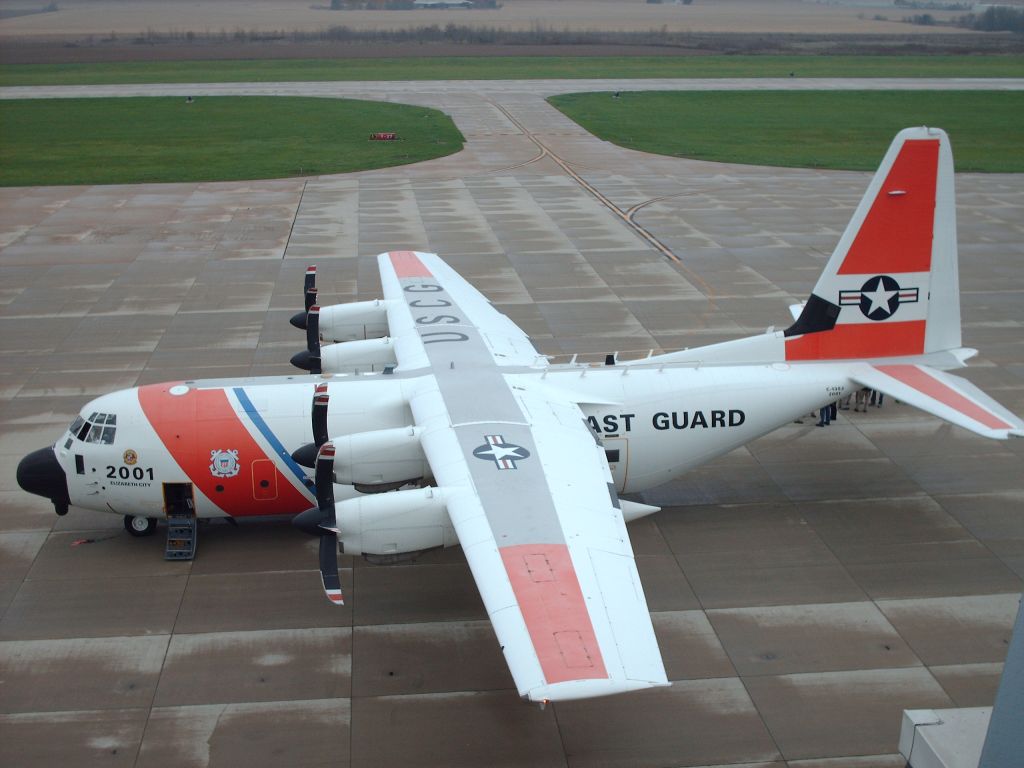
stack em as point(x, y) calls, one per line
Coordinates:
point(879, 298)
point(499, 452)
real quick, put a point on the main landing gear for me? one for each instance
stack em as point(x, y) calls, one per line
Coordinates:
point(140, 526)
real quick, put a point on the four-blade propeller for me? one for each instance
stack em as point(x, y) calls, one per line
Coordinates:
point(319, 520)
point(309, 358)
point(306, 455)
point(328, 526)
point(309, 296)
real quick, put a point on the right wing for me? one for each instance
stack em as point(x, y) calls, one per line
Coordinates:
point(430, 305)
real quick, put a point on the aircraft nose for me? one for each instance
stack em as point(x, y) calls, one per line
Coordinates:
point(40, 473)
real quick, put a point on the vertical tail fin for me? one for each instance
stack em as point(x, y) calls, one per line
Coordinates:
point(891, 288)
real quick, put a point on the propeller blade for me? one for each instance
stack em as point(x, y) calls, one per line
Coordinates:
point(313, 338)
point(309, 358)
point(309, 297)
point(328, 524)
point(324, 480)
point(320, 400)
point(306, 455)
point(329, 568)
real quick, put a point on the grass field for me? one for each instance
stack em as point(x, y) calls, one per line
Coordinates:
point(816, 129)
point(510, 68)
point(115, 141)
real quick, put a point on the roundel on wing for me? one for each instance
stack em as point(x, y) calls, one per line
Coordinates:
point(504, 455)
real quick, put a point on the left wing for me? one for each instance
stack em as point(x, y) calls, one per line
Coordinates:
point(527, 488)
point(532, 502)
point(941, 394)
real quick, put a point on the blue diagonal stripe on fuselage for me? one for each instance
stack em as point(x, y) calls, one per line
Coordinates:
point(275, 444)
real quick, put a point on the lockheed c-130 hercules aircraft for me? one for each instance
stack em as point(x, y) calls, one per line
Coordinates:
point(462, 433)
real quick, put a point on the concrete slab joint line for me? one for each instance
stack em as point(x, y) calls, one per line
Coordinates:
point(295, 218)
point(564, 165)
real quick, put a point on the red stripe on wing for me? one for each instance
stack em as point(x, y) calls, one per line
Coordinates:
point(896, 235)
point(555, 613)
point(916, 378)
point(408, 264)
point(194, 425)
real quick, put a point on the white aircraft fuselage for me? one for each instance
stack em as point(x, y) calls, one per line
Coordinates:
point(232, 440)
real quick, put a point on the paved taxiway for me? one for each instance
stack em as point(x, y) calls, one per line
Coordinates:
point(805, 589)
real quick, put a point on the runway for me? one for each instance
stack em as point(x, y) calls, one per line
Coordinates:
point(805, 589)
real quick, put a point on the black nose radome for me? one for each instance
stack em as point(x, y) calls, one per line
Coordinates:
point(40, 473)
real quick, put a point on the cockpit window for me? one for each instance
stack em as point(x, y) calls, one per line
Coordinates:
point(98, 428)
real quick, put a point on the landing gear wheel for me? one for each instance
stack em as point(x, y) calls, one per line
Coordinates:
point(140, 526)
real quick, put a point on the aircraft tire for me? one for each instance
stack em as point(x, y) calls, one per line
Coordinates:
point(140, 526)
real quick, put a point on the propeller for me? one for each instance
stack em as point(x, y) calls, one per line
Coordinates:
point(306, 455)
point(321, 521)
point(309, 296)
point(328, 524)
point(309, 358)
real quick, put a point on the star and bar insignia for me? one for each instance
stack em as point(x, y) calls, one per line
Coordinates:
point(879, 297)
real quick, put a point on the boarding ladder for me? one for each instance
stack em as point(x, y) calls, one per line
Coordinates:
point(181, 533)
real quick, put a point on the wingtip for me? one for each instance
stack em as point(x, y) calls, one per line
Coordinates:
point(570, 690)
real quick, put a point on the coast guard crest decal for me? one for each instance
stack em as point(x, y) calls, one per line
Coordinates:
point(504, 455)
point(224, 463)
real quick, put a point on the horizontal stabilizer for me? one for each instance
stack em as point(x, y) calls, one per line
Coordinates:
point(949, 397)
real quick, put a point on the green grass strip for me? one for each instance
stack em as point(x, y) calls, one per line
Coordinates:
point(808, 129)
point(131, 140)
point(511, 67)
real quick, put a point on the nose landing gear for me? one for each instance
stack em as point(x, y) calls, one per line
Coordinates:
point(140, 526)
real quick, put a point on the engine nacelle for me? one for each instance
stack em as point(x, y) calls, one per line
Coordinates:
point(392, 523)
point(356, 321)
point(366, 354)
point(379, 457)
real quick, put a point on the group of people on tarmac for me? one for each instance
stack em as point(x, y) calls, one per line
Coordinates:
point(862, 398)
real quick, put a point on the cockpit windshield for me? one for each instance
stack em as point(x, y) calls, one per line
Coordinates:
point(98, 428)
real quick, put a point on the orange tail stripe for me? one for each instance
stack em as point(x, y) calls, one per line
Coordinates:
point(859, 340)
point(896, 235)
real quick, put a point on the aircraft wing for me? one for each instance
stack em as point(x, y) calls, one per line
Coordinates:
point(528, 490)
point(941, 394)
point(531, 499)
point(430, 304)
